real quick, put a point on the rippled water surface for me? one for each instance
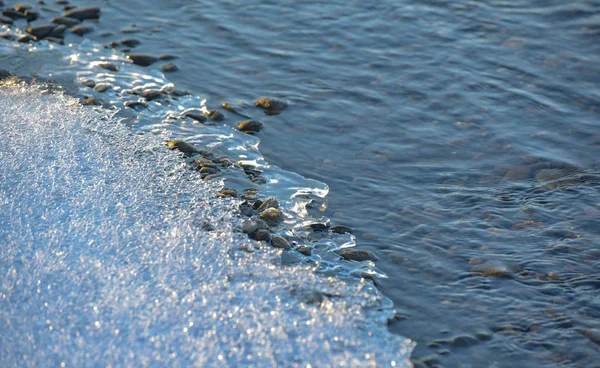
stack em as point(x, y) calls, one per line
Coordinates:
point(459, 139)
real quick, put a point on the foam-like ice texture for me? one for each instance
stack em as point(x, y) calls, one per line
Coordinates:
point(105, 260)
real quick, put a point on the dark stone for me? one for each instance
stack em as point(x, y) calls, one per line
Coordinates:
point(57, 40)
point(280, 242)
point(248, 126)
point(130, 42)
point(82, 29)
point(271, 105)
point(26, 38)
point(12, 13)
point(227, 192)
point(109, 66)
point(271, 202)
point(182, 146)
point(169, 68)
point(90, 12)
point(8, 36)
point(246, 209)
point(262, 234)
point(208, 170)
point(152, 94)
point(142, 59)
point(215, 115)
point(259, 180)
point(271, 215)
point(251, 225)
point(340, 229)
point(304, 250)
point(356, 255)
point(135, 104)
point(69, 22)
point(31, 15)
point(22, 7)
point(5, 20)
point(5, 74)
point(319, 227)
point(42, 30)
point(102, 87)
point(89, 83)
point(464, 341)
point(196, 116)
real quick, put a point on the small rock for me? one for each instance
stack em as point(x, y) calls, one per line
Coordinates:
point(88, 83)
point(169, 68)
point(317, 226)
point(42, 30)
point(464, 341)
point(130, 42)
point(262, 234)
point(102, 87)
point(31, 15)
point(340, 229)
point(251, 225)
point(259, 180)
point(246, 209)
point(12, 13)
point(182, 146)
point(22, 7)
point(69, 22)
point(226, 192)
point(59, 41)
point(250, 194)
point(315, 297)
point(215, 115)
point(492, 270)
point(271, 215)
point(210, 177)
point(271, 105)
point(5, 74)
point(249, 126)
point(82, 29)
point(270, 202)
point(152, 94)
point(90, 12)
point(196, 116)
point(26, 39)
point(135, 104)
point(142, 59)
point(108, 66)
point(356, 255)
point(280, 242)
point(304, 250)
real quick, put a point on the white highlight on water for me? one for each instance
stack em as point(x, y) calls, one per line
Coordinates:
point(105, 260)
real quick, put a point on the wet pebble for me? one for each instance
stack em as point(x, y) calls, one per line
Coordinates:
point(227, 192)
point(271, 215)
point(46, 30)
point(166, 57)
point(88, 83)
point(90, 12)
point(22, 7)
point(356, 255)
point(304, 250)
point(130, 42)
point(25, 38)
point(169, 68)
point(108, 66)
point(249, 126)
point(82, 29)
point(195, 115)
point(246, 209)
point(102, 87)
point(271, 105)
point(251, 225)
point(280, 242)
point(215, 115)
point(270, 202)
point(152, 94)
point(69, 22)
point(12, 13)
point(262, 234)
point(182, 146)
point(135, 104)
point(340, 229)
point(142, 59)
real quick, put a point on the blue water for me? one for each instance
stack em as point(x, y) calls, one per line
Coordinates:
point(458, 139)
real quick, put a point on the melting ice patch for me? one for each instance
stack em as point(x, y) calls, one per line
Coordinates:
point(107, 258)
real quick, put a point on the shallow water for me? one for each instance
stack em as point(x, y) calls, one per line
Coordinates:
point(459, 139)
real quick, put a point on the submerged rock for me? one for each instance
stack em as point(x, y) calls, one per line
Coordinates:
point(262, 234)
point(89, 12)
point(142, 59)
point(251, 225)
point(215, 115)
point(271, 105)
point(249, 126)
point(46, 30)
point(69, 22)
point(82, 29)
point(108, 66)
point(280, 242)
point(182, 146)
point(169, 68)
point(356, 255)
point(130, 42)
point(270, 202)
point(340, 229)
point(271, 215)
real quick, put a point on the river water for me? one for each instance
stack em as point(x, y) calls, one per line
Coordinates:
point(459, 139)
